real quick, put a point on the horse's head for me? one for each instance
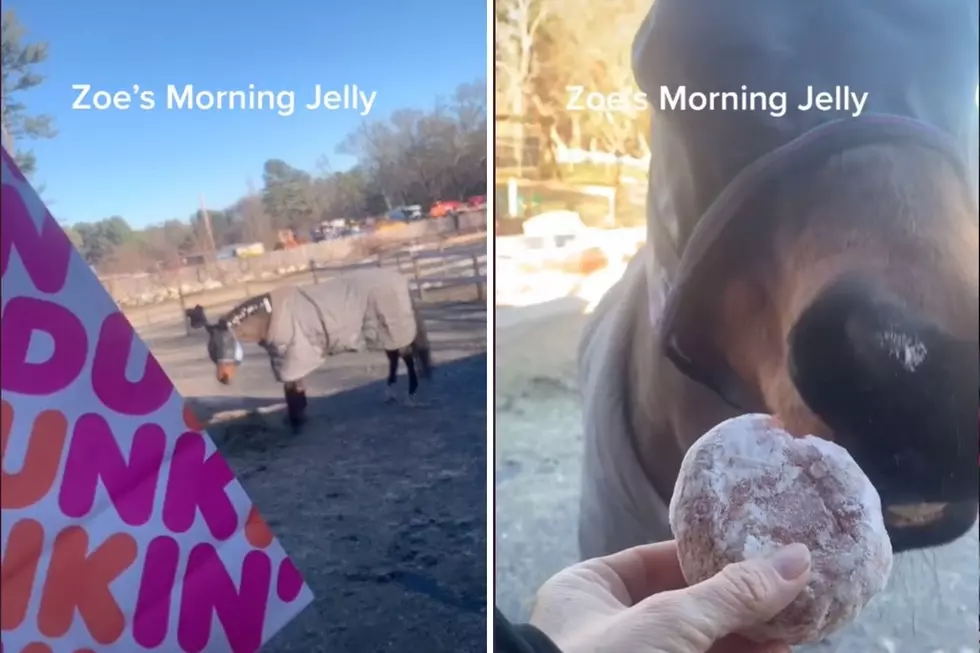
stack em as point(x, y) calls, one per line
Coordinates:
point(224, 348)
point(196, 317)
point(846, 303)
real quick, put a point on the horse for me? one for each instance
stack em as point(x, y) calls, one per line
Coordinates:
point(299, 327)
point(819, 266)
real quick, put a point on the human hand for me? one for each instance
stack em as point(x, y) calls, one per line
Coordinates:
point(637, 601)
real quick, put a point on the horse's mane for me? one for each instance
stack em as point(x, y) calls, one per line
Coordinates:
point(251, 306)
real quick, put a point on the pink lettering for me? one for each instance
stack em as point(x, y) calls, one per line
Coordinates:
point(45, 254)
point(289, 582)
point(199, 483)
point(152, 617)
point(208, 589)
point(94, 454)
point(109, 380)
point(22, 316)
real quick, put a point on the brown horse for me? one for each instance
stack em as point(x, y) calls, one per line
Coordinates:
point(821, 268)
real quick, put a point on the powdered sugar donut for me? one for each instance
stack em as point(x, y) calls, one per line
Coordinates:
point(747, 487)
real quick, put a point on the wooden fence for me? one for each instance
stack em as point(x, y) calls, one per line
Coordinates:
point(429, 271)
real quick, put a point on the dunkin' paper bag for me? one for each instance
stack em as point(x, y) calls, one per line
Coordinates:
point(123, 528)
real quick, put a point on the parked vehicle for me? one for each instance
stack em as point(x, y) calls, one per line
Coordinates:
point(389, 225)
point(249, 250)
point(406, 213)
point(331, 229)
point(443, 208)
point(286, 239)
point(559, 240)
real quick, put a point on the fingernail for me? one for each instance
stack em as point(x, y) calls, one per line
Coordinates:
point(791, 561)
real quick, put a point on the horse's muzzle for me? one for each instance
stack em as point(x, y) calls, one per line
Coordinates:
point(224, 373)
point(900, 394)
point(925, 525)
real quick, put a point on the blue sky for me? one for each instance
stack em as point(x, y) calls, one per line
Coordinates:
point(148, 166)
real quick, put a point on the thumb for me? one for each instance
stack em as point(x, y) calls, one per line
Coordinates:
point(751, 592)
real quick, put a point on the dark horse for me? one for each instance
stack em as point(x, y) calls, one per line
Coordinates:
point(820, 266)
point(299, 327)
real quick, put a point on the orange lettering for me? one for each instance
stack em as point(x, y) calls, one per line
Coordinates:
point(18, 571)
point(45, 445)
point(80, 581)
point(257, 532)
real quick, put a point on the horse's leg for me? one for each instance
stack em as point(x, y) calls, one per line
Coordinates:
point(413, 379)
point(392, 376)
point(295, 403)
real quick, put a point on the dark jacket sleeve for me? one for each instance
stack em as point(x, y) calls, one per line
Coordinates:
point(508, 638)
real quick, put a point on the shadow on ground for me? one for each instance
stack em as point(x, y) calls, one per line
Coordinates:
point(382, 507)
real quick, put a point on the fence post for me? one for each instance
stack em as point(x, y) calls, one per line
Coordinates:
point(183, 310)
point(481, 289)
point(417, 273)
point(313, 271)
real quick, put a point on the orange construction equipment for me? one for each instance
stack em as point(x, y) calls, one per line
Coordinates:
point(287, 239)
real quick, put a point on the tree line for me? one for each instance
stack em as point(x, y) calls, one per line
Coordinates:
point(413, 157)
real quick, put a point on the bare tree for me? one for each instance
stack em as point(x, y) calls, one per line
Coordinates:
point(419, 157)
point(605, 62)
point(258, 227)
point(518, 23)
point(8, 142)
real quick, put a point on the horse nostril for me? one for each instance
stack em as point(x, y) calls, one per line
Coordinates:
point(854, 351)
point(893, 386)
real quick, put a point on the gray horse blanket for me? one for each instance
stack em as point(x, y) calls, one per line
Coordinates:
point(363, 310)
point(914, 59)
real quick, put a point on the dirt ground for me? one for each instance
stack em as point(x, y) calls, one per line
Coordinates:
point(930, 605)
point(382, 507)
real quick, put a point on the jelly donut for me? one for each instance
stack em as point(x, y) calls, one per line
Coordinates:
point(748, 487)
